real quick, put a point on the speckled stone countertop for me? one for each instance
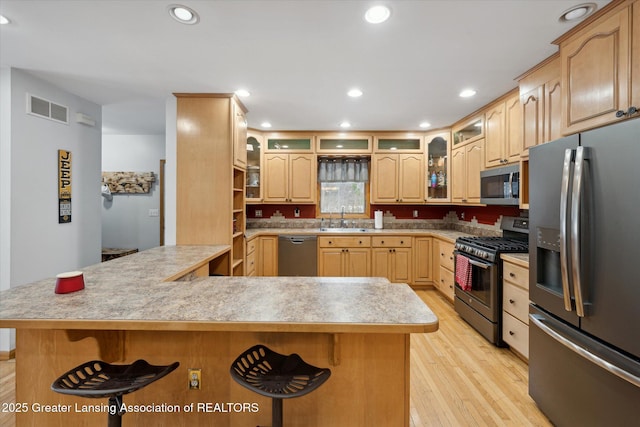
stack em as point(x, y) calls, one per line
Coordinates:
point(131, 293)
point(519, 259)
point(450, 235)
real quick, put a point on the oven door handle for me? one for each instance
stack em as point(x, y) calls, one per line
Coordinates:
point(479, 264)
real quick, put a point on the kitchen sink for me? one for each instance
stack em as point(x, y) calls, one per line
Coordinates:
point(345, 230)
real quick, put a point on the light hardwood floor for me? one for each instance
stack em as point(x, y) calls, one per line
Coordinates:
point(457, 378)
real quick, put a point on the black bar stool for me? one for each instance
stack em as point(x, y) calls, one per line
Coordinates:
point(277, 376)
point(98, 379)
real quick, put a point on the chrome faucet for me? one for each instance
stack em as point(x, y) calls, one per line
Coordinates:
point(342, 218)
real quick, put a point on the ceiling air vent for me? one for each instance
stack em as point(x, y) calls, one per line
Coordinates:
point(47, 110)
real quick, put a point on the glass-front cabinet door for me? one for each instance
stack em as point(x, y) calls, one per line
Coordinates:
point(397, 142)
point(289, 142)
point(438, 151)
point(343, 143)
point(468, 131)
point(254, 164)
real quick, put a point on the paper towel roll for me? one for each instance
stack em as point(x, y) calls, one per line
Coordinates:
point(378, 219)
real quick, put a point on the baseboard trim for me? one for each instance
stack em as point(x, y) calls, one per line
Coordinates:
point(6, 355)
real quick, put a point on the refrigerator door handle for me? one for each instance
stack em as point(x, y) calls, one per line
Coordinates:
point(538, 321)
point(564, 219)
point(580, 173)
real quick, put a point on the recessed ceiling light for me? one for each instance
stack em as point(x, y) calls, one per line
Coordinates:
point(377, 14)
point(4, 20)
point(425, 125)
point(265, 124)
point(578, 12)
point(183, 14)
point(345, 124)
point(355, 93)
point(243, 93)
point(467, 93)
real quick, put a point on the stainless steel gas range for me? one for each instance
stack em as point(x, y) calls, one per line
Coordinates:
point(478, 276)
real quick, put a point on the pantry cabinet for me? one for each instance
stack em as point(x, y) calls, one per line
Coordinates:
point(290, 177)
point(210, 208)
point(596, 72)
point(395, 178)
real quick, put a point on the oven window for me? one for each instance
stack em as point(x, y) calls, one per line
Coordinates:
point(481, 284)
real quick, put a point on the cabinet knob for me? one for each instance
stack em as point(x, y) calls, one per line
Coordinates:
point(511, 301)
point(512, 275)
point(511, 333)
point(360, 242)
point(620, 113)
point(632, 110)
point(402, 242)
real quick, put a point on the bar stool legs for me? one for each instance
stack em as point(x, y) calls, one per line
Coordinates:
point(275, 375)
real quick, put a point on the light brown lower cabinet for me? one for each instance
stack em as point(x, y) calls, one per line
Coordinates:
point(344, 256)
point(422, 261)
point(392, 258)
point(515, 307)
point(268, 263)
point(443, 268)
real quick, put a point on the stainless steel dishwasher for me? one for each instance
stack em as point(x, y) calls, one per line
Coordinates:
point(297, 256)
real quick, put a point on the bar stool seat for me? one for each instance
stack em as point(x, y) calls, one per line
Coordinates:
point(98, 379)
point(275, 375)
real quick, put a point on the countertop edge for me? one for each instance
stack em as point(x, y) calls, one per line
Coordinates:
point(521, 260)
point(216, 326)
point(438, 234)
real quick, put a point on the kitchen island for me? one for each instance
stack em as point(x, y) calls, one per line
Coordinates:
point(357, 327)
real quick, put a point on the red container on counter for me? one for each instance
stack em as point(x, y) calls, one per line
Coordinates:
point(70, 281)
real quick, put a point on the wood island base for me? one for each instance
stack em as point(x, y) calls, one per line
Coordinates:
point(369, 377)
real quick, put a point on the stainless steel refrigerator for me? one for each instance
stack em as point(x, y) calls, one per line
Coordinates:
point(584, 266)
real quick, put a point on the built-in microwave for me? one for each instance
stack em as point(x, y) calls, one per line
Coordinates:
point(500, 186)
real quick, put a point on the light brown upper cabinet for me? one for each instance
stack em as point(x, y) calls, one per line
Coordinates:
point(596, 72)
point(289, 178)
point(254, 167)
point(466, 164)
point(468, 130)
point(541, 101)
point(438, 159)
point(503, 132)
point(239, 135)
point(343, 143)
point(397, 178)
point(289, 142)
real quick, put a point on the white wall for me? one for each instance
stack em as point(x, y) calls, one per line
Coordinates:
point(125, 219)
point(38, 247)
point(170, 171)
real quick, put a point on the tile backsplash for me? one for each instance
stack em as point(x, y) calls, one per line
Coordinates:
point(450, 221)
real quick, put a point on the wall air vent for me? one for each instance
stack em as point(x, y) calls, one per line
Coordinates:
point(47, 110)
